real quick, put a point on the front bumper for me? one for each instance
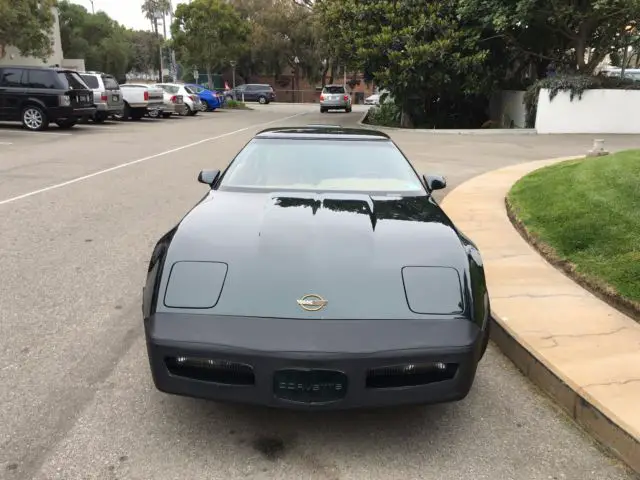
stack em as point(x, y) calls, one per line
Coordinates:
point(353, 363)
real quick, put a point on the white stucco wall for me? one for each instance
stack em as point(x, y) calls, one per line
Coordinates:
point(598, 111)
point(13, 57)
point(513, 109)
point(507, 108)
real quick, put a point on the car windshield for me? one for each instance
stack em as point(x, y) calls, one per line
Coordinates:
point(360, 166)
point(71, 81)
point(334, 89)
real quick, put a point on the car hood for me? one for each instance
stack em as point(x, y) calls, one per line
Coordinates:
point(348, 248)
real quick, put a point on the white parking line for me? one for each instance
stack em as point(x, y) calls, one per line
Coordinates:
point(140, 160)
point(6, 143)
point(37, 133)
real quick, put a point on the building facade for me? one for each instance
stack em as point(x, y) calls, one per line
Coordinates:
point(13, 57)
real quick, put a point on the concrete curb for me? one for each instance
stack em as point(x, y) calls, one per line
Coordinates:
point(572, 388)
point(451, 131)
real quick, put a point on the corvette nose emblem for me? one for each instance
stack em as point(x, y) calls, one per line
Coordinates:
point(312, 303)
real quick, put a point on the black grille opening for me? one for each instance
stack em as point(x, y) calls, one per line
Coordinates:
point(211, 370)
point(410, 375)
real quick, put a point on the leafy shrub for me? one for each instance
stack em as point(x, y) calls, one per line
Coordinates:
point(576, 85)
point(385, 115)
point(235, 104)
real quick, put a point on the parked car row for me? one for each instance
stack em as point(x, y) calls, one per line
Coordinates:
point(39, 96)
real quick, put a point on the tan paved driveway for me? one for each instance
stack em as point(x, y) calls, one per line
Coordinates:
point(76, 395)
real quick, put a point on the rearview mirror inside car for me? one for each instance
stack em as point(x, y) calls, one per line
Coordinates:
point(208, 177)
point(435, 182)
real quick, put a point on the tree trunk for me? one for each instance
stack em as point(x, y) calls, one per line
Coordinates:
point(324, 74)
point(209, 78)
point(596, 58)
point(155, 25)
point(579, 54)
point(405, 119)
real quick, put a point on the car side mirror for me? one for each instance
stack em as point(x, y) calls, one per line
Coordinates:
point(435, 182)
point(208, 177)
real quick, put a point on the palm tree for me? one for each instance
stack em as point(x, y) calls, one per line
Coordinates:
point(151, 9)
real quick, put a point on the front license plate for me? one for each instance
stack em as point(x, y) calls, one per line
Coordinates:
point(310, 385)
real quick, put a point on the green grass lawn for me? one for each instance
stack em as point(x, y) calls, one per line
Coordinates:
point(588, 212)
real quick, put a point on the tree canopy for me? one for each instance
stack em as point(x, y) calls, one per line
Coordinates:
point(209, 33)
point(26, 25)
point(425, 52)
point(103, 43)
point(575, 34)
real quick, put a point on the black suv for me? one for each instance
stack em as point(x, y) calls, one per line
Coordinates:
point(39, 95)
point(253, 92)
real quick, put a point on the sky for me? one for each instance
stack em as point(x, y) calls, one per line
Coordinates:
point(126, 12)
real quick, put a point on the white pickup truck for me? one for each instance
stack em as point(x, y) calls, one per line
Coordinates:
point(141, 99)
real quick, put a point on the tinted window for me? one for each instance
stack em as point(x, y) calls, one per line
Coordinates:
point(334, 89)
point(189, 90)
point(11, 77)
point(366, 166)
point(41, 79)
point(91, 81)
point(71, 81)
point(110, 83)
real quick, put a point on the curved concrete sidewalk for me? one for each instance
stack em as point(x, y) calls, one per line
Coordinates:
point(577, 348)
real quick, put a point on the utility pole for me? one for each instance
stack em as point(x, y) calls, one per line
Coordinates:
point(233, 78)
point(92, 9)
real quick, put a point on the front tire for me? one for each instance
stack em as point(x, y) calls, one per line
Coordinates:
point(34, 119)
point(262, 100)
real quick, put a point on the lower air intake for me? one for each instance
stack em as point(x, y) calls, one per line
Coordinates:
point(211, 370)
point(410, 375)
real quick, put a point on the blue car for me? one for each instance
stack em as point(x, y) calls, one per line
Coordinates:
point(210, 100)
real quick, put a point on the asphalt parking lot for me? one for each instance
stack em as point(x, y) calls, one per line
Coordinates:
point(80, 211)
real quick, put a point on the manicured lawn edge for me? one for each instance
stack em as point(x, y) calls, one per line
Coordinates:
point(594, 285)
